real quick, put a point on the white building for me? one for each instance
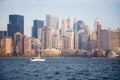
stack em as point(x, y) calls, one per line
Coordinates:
point(52, 21)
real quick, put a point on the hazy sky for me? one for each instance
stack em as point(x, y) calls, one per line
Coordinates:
point(108, 11)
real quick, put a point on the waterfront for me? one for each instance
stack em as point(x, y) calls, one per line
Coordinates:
point(60, 69)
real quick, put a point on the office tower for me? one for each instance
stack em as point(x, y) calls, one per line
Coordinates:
point(6, 45)
point(36, 24)
point(98, 26)
point(63, 28)
point(18, 43)
point(16, 24)
point(46, 38)
point(52, 21)
point(69, 24)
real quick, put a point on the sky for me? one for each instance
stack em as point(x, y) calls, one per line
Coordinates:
point(107, 11)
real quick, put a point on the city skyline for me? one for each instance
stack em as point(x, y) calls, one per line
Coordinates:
point(107, 11)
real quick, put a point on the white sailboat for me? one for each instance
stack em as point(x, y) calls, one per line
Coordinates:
point(37, 58)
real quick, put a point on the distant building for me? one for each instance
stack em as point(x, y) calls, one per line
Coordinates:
point(109, 40)
point(28, 51)
point(6, 46)
point(68, 41)
point(104, 40)
point(40, 33)
point(69, 24)
point(93, 40)
point(18, 43)
point(37, 24)
point(52, 21)
point(98, 26)
point(26, 47)
point(16, 24)
point(46, 38)
point(79, 25)
point(55, 38)
point(75, 40)
point(115, 40)
point(63, 28)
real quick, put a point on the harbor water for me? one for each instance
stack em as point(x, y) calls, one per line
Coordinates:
point(71, 68)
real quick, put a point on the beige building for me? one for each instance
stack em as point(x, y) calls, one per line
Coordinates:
point(6, 45)
point(68, 41)
point(55, 38)
point(115, 41)
point(63, 28)
point(93, 40)
point(104, 40)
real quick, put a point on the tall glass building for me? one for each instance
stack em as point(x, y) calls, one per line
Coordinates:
point(16, 24)
point(37, 24)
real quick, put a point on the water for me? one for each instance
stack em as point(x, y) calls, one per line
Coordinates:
point(60, 69)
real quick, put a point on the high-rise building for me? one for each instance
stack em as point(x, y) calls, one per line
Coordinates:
point(98, 26)
point(69, 24)
point(46, 38)
point(36, 24)
point(16, 24)
point(64, 27)
point(52, 21)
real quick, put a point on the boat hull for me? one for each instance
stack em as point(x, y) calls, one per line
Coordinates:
point(37, 59)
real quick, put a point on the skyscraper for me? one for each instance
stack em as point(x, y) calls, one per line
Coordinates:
point(46, 38)
point(64, 27)
point(36, 24)
point(16, 24)
point(97, 25)
point(52, 21)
